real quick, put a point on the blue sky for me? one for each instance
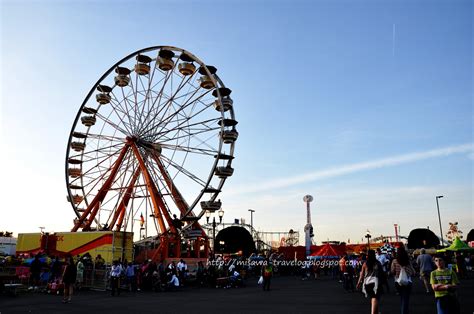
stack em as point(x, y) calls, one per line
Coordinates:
point(317, 85)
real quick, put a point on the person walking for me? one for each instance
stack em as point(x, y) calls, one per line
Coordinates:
point(35, 272)
point(403, 272)
point(444, 283)
point(267, 273)
point(385, 262)
point(370, 279)
point(69, 279)
point(345, 268)
point(182, 268)
point(131, 280)
point(79, 274)
point(426, 266)
point(115, 274)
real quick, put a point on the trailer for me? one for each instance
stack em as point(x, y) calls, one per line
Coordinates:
point(111, 245)
point(7, 245)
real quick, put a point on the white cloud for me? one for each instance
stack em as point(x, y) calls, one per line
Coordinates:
point(351, 168)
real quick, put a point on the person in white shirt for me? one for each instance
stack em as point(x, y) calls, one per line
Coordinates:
point(115, 274)
point(182, 269)
point(173, 283)
point(385, 262)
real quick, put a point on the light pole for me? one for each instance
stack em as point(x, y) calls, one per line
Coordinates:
point(368, 236)
point(251, 218)
point(439, 218)
point(214, 224)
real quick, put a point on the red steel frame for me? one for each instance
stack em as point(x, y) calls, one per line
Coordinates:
point(159, 208)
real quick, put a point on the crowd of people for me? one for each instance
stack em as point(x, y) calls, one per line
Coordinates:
point(370, 273)
point(433, 272)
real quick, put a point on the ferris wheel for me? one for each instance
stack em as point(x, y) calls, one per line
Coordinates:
point(153, 140)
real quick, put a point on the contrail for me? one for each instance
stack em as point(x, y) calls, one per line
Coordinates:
point(352, 168)
point(393, 40)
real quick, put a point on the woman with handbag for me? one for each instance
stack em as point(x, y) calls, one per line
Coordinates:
point(370, 276)
point(404, 272)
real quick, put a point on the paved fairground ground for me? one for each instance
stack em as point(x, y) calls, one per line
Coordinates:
point(288, 295)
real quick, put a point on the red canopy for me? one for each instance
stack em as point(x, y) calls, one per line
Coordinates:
point(330, 250)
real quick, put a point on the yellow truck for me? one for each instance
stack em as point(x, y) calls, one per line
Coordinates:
point(111, 245)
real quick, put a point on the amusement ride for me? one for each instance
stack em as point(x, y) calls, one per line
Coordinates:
point(152, 143)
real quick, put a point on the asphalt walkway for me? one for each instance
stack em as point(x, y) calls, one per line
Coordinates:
point(288, 295)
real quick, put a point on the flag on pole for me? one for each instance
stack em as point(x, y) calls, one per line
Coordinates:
point(142, 220)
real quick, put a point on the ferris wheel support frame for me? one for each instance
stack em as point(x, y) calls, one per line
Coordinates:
point(93, 207)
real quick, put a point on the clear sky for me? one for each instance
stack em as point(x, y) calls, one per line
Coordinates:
point(366, 105)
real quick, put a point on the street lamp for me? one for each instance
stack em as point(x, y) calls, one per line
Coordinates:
point(368, 236)
point(220, 213)
point(439, 218)
point(251, 218)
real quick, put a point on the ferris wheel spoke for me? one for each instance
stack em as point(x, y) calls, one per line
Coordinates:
point(193, 116)
point(98, 179)
point(127, 104)
point(158, 98)
point(106, 137)
point(148, 204)
point(194, 150)
point(189, 133)
point(172, 102)
point(175, 193)
point(149, 96)
point(184, 171)
point(166, 105)
point(180, 127)
point(157, 199)
point(134, 88)
point(146, 97)
point(79, 155)
point(201, 142)
point(158, 177)
point(193, 133)
point(99, 168)
point(116, 106)
point(181, 109)
point(121, 112)
point(114, 125)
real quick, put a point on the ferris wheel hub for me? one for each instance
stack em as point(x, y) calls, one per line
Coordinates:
point(131, 139)
point(155, 148)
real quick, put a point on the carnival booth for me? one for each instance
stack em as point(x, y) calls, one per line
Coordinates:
point(457, 246)
point(328, 251)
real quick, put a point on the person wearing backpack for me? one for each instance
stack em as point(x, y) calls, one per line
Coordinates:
point(403, 272)
point(444, 283)
point(370, 278)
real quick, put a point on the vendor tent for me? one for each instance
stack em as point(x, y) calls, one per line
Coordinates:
point(457, 246)
point(329, 251)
